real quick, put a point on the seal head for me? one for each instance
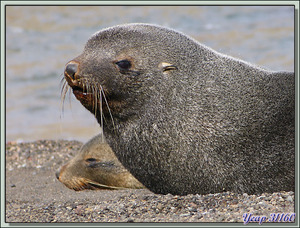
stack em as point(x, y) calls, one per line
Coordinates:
point(96, 167)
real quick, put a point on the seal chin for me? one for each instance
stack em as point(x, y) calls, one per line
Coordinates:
point(79, 184)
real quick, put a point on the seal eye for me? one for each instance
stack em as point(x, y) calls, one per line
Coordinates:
point(90, 160)
point(125, 68)
point(124, 64)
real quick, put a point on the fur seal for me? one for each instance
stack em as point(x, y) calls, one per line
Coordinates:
point(183, 118)
point(96, 167)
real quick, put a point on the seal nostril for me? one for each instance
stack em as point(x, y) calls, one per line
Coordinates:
point(57, 174)
point(71, 69)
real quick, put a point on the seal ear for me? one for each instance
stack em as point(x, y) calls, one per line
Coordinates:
point(164, 66)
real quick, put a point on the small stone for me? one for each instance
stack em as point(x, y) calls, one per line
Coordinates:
point(290, 199)
point(263, 203)
point(192, 209)
point(268, 198)
point(130, 220)
point(159, 206)
point(185, 215)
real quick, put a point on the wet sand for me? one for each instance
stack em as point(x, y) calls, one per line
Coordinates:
point(33, 194)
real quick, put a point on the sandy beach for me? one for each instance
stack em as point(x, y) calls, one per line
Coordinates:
point(33, 194)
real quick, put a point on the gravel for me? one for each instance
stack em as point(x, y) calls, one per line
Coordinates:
point(33, 194)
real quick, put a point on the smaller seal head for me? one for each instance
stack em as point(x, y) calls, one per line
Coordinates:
point(96, 167)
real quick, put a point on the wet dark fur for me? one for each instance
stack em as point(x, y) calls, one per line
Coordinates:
point(211, 123)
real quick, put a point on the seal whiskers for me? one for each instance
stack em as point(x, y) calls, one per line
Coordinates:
point(64, 89)
point(90, 94)
point(107, 105)
point(101, 111)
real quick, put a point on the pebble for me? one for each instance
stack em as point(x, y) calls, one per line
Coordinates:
point(289, 198)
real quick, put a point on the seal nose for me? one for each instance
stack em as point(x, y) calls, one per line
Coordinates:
point(57, 174)
point(71, 69)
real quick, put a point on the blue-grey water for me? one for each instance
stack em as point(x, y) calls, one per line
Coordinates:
point(40, 40)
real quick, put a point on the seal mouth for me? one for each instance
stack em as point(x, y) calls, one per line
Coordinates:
point(90, 94)
point(78, 183)
point(80, 86)
point(77, 84)
point(82, 92)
